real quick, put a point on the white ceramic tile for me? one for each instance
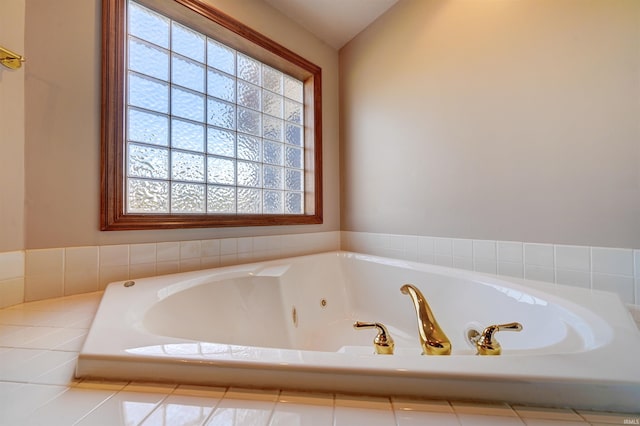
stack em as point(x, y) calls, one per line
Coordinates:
point(462, 248)
point(622, 285)
point(498, 414)
point(539, 273)
point(538, 255)
point(295, 408)
point(44, 274)
point(181, 410)
point(637, 280)
point(167, 252)
point(463, 263)
point(11, 265)
point(609, 418)
point(210, 248)
point(129, 406)
point(576, 258)
point(228, 246)
point(170, 267)
point(566, 414)
point(109, 274)
point(142, 253)
point(116, 255)
point(11, 292)
point(80, 270)
point(423, 412)
point(190, 250)
point(485, 249)
point(510, 269)
point(211, 262)
point(410, 248)
point(187, 265)
point(244, 244)
point(487, 266)
point(612, 261)
point(372, 411)
point(443, 246)
point(244, 407)
point(19, 404)
point(636, 269)
point(443, 260)
point(426, 246)
point(510, 251)
point(142, 270)
point(228, 259)
point(554, 422)
point(573, 278)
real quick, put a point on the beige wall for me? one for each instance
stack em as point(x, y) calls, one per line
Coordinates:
point(495, 119)
point(12, 22)
point(63, 123)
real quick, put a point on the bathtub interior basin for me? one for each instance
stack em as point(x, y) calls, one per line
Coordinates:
point(289, 324)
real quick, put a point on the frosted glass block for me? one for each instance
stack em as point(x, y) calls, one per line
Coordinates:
point(187, 104)
point(249, 200)
point(221, 142)
point(187, 198)
point(294, 180)
point(249, 121)
point(186, 166)
point(272, 128)
point(249, 95)
point(249, 174)
point(221, 171)
point(147, 196)
point(146, 161)
point(148, 25)
point(293, 111)
point(273, 153)
point(272, 103)
point(249, 69)
point(221, 85)
point(272, 79)
point(293, 157)
point(187, 42)
point(273, 202)
point(293, 89)
point(148, 59)
point(249, 148)
point(221, 57)
point(293, 203)
point(221, 114)
point(293, 134)
point(187, 135)
point(186, 73)
point(147, 127)
point(273, 177)
point(147, 93)
point(221, 199)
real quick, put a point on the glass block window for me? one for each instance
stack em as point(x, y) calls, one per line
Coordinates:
point(209, 129)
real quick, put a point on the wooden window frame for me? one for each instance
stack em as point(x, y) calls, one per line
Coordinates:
point(204, 18)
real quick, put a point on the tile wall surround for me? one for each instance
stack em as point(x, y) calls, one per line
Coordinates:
point(610, 269)
point(47, 273)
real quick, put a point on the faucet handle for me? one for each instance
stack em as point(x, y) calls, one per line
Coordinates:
point(485, 342)
point(383, 342)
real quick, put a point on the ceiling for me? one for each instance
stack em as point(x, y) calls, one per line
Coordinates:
point(333, 21)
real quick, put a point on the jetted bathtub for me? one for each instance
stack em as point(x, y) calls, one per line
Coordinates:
point(288, 324)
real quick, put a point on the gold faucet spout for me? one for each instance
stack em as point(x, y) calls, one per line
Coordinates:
point(432, 339)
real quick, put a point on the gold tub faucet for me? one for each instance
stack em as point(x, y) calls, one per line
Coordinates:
point(432, 338)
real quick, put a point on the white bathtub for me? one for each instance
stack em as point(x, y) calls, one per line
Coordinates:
point(287, 324)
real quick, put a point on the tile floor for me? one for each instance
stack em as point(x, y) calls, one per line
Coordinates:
point(39, 344)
